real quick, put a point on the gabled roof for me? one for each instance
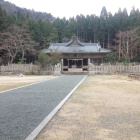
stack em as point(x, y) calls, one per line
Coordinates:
point(75, 46)
point(75, 42)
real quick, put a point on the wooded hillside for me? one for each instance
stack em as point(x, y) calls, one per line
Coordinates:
point(14, 10)
point(23, 35)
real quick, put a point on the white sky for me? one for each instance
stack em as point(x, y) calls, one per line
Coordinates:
point(71, 8)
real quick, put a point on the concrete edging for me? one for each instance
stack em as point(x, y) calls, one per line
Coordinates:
point(38, 129)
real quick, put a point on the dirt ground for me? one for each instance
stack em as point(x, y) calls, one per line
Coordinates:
point(9, 82)
point(102, 108)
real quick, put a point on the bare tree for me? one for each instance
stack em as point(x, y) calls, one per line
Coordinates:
point(9, 45)
point(25, 42)
point(127, 43)
point(17, 40)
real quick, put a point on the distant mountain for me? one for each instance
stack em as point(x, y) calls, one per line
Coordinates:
point(14, 10)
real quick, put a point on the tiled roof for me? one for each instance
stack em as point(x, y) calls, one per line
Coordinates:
point(75, 46)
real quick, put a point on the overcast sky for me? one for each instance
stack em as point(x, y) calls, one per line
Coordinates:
point(71, 8)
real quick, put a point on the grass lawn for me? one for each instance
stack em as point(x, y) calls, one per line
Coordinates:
point(102, 108)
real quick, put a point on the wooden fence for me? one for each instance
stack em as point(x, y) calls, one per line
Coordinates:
point(47, 71)
point(19, 68)
point(93, 69)
point(25, 68)
point(113, 69)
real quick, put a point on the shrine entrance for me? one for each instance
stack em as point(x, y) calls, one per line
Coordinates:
point(75, 63)
point(81, 64)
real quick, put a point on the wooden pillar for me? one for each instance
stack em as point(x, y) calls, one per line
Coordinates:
point(88, 61)
point(82, 64)
point(62, 64)
point(102, 60)
point(68, 63)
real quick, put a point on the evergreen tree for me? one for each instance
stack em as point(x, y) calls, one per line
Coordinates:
point(108, 29)
point(5, 20)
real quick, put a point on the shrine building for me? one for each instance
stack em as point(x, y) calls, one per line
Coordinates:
point(78, 55)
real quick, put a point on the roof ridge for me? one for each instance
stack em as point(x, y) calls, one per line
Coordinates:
point(75, 41)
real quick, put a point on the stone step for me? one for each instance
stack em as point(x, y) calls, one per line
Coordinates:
point(75, 70)
point(75, 73)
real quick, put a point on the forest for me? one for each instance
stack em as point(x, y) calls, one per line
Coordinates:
point(22, 37)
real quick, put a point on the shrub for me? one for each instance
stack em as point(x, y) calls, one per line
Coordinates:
point(110, 58)
point(125, 60)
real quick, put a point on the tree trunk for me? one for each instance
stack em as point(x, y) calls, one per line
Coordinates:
point(127, 46)
point(120, 47)
point(23, 54)
point(108, 40)
point(94, 35)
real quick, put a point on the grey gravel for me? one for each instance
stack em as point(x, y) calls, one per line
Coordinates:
point(23, 109)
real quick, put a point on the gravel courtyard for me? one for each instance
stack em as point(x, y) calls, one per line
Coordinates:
point(102, 108)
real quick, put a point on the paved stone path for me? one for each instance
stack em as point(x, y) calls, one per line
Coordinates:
point(23, 109)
